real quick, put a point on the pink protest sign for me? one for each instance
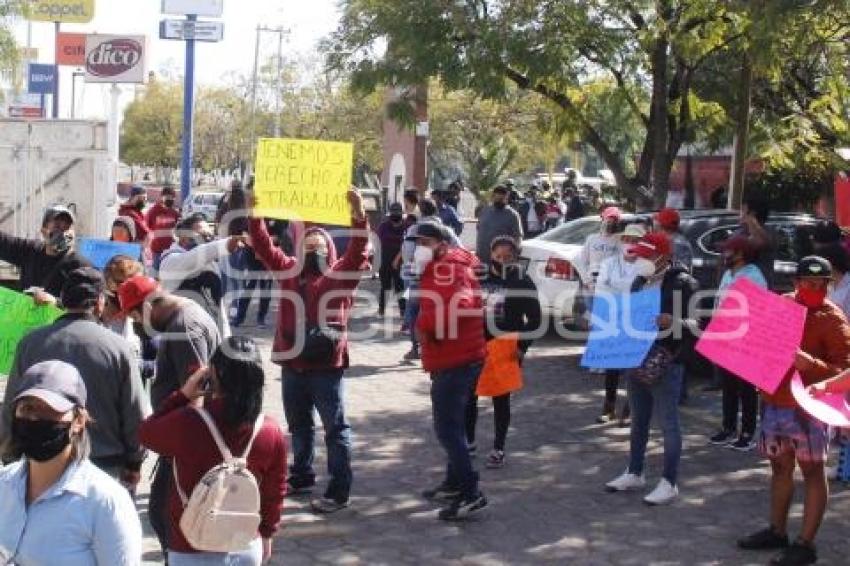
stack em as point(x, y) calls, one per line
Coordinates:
point(754, 334)
point(831, 409)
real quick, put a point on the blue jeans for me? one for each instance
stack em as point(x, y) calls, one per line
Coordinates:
point(411, 313)
point(322, 390)
point(251, 556)
point(451, 391)
point(663, 397)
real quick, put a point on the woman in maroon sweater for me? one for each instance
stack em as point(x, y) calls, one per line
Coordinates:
point(231, 390)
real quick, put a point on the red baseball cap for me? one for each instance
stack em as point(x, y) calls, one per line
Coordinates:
point(652, 246)
point(740, 244)
point(612, 212)
point(134, 291)
point(668, 218)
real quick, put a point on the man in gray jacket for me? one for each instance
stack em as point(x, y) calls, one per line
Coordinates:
point(117, 399)
point(497, 220)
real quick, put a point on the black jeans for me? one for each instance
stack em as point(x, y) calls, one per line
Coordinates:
point(501, 419)
point(264, 285)
point(737, 392)
point(612, 383)
point(391, 282)
point(158, 501)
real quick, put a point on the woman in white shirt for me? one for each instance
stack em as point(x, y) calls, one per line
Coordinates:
point(56, 506)
point(616, 275)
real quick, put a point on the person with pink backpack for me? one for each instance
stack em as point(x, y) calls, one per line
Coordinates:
point(229, 461)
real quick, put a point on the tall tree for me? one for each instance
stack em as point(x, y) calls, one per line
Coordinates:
point(652, 50)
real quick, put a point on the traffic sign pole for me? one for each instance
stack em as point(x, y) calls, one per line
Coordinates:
point(188, 117)
point(56, 86)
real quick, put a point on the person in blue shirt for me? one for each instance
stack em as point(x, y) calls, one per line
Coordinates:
point(448, 215)
point(739, 256)
point(56, 507)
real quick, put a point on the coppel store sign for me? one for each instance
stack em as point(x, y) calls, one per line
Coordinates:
point(115, 58)
point(65, 11)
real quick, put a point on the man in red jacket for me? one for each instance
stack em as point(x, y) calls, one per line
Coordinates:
point(311, 344)
point(451, 331)
point(161, 219)
point(134, 208)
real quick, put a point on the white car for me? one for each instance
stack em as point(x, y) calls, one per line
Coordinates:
point(551, 263)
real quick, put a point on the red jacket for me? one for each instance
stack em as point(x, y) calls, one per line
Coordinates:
point(142, 229)
point(176, 431)
point(161, 221)
point(450, 324)
point(826, 337)
point(340, 282)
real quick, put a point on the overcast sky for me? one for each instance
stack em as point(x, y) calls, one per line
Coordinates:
point(308, 23)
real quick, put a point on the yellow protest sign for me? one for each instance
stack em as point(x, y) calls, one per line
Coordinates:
point(65, 11)
point(303, 180)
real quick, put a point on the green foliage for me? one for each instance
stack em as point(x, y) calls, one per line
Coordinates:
point(791, 189)
point(153, 124)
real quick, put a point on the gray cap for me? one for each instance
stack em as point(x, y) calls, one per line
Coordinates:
point(56, 383)
point(55, 211)
point(433, 230)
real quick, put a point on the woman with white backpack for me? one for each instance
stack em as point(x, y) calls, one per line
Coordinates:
point(229, 461)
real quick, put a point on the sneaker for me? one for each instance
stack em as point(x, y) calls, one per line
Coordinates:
point(765, 539)
point(326, 505)
point(412, 355)
point(626, 482)
point(299, 487)
point(832, 473)
point(722, 438)
point(496, 459)
point(743, 444)
point(442, 492)
point(462, 509)
point(798, 554)
point(606, 418)
point(663, 494)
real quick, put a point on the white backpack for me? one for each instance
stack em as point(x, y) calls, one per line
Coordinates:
point(223, 513)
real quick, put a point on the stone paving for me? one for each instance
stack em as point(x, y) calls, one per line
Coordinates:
point(547, 505)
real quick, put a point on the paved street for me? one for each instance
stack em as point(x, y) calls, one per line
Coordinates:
point(547, 505)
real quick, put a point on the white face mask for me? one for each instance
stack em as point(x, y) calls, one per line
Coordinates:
point(644, 267)
point(422, 256)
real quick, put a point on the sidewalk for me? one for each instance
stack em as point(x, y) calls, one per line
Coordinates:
point(547, 506)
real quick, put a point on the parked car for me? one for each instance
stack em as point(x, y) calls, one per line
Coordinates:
point(551, 257)
point(205, 203)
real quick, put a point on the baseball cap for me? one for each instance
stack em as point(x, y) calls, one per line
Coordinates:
point(741, 244)
point(652, 245)
point(668, 218)
point(82, 285)
point(611, 213)
point(58, 384)
point(56, 211)
point(396, 208)
point(814, 267)
point(500, 189)
point(134, 291)
point(634, 230)
point(137, 190)
point(430, 230)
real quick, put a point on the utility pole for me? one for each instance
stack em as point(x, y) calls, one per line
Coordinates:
point(252, 141)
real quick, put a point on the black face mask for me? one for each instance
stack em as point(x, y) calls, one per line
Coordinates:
point(169, 202)
point(499, 204)
point(504, 270)
point(395, 217)
point(140, 205)
point(60, 241)
point(40, 440)
point(315, 262)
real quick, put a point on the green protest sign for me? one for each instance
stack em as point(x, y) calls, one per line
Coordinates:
point(18, 316)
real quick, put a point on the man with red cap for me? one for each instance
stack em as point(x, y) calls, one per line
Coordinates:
point(188, 338)
point(667, 220)
point(658, 382)
point(739, 255)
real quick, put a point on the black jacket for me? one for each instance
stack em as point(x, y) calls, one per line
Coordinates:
point(677, 288)
point(37, 268)
point(520, 309)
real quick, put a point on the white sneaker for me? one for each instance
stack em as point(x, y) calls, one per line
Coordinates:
point(625, 482)
point(663, 494)
point(832, 473)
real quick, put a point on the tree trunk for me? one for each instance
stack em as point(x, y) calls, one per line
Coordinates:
point(660, 159)
point(742, 134)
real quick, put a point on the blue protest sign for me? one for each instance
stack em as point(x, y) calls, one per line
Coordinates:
point(623, 329)
point(41, 79)
point(99, 252)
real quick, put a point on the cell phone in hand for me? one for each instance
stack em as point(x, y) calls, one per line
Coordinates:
point(32, 291)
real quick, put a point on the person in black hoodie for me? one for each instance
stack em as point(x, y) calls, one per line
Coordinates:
point(658, 382)
point(510, 298)
point(45, 265)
